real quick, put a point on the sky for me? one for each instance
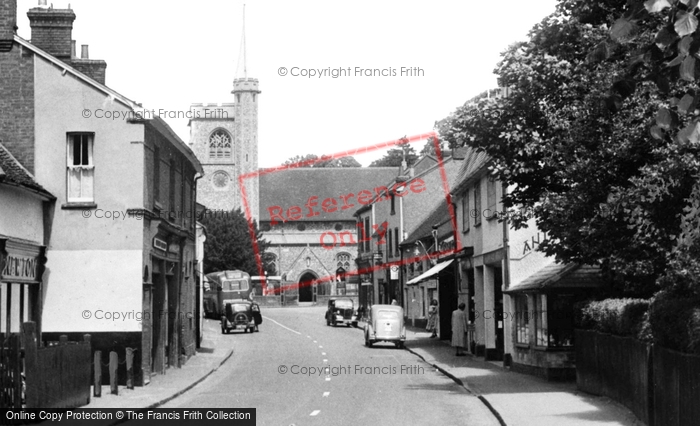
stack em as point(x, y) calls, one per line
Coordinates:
point(169, 55)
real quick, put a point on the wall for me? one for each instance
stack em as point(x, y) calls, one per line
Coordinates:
point(21, 215)
point(95, 259)
point(17, 104)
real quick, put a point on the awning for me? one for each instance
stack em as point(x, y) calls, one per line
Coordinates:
point(559, 277)
point(430, 272)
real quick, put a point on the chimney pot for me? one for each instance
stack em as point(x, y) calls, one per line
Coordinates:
point(73, 49)
point(84, 52)
point(42, 3)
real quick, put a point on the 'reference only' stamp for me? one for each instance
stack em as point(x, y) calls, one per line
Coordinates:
point(305, 204)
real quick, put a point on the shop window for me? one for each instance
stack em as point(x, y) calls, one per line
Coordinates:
point(561, 321)
point(522, 320)
point(541, 331)
point(81, 169)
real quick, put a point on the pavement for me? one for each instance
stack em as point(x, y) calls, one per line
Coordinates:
point(518, 399)
point(163, 388)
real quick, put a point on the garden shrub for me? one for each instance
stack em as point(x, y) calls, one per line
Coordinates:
point(675, 322)
point(622, 317)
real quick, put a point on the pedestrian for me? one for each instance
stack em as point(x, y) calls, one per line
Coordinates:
point(459, 329)
point(394, 302)
point(433, 318)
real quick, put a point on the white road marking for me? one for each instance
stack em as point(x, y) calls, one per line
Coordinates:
point(315, 341)
point(270, 319)
point(323, 353)
point(308, 337)
point(315, 412)
point(325, 361)
point(320, 346)
point(325, 394)
point(328, 379)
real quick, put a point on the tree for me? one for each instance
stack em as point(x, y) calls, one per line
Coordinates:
point(228, 245)
point(395, 156)
point(325, 161)
point(429, 148)
point(573, 142)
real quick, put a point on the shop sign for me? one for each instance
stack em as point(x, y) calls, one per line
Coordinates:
point(160, 244)
point(395, 272)
point(174, 248)
point(19, 268)
point(431, 284)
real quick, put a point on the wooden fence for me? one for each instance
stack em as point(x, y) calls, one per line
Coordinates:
point(57, 376)
point(661, 387)
point(11, 392)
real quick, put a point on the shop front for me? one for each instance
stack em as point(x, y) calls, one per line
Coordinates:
point(21, 269)
point(543, 319)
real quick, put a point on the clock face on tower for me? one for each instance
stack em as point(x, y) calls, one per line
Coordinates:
point(220, 180)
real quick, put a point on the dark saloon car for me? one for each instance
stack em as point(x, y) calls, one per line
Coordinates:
point(241, 315)
point(341, 311)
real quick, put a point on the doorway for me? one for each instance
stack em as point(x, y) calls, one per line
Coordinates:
point(499, 325)
point(306, 287)
point(447, 301)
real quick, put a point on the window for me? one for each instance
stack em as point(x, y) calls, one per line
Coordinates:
point(541, 332)
point(367, 233)
point(171, 205)
point(390, 249)
point(81, 169)
point(156, 174)
point(220, 145)
point(522, 320)
point(491, 198)
point(396, 242)
point(477, 204)
point(465, 212)
point(393, 208)
point(561, 321)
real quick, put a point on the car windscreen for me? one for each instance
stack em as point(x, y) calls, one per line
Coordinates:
point(387, 315)
point(234, 285)
point(239, 307)
point(343, 304)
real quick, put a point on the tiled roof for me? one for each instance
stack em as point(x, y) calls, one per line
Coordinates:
point(560, 276)
point(439, 216)
point(293, 187)
point(474, 161)
point(13, 173)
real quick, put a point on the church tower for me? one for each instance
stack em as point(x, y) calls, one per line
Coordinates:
point(224, 137)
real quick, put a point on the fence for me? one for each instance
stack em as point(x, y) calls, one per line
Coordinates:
point(661, 387)
point(11, 392)
point(57, 376)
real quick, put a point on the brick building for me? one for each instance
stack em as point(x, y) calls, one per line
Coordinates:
point(120, 236)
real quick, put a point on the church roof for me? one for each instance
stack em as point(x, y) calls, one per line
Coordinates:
point(293, 187)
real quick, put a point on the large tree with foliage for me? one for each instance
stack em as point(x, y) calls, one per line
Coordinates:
point(312, 160)
point(573, 140)
point(229, 246)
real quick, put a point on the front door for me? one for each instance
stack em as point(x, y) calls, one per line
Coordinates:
point(499, 325)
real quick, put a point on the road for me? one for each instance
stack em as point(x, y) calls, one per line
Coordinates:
point(281, 371)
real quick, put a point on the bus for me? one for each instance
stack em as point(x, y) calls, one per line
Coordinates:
point(272, 285)
point(224, 287)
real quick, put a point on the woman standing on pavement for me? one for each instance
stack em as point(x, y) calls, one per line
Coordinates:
point(459, 328)
point(433, 317)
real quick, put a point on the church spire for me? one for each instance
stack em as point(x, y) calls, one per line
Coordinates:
point(242, 51)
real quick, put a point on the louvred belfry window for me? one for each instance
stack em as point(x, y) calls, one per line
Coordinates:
point(220, 145)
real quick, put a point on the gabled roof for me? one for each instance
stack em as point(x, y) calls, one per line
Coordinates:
point(13, 173)
point(475, 160)
point(439, 216)
point(293, 187)
point(157, 122)
point(560, 276)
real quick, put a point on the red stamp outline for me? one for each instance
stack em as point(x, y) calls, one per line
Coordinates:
point(383, 266)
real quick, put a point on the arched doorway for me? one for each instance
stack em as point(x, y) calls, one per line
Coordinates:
point(306, 287)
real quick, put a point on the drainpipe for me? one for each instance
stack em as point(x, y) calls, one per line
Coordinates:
point(506, 269)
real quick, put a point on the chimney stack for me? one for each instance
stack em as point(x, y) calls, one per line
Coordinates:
point(52, 30)
point(8, 24)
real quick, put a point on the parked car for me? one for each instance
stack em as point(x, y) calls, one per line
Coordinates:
point(241, 315)
point(385, 324)
point(341, 311)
